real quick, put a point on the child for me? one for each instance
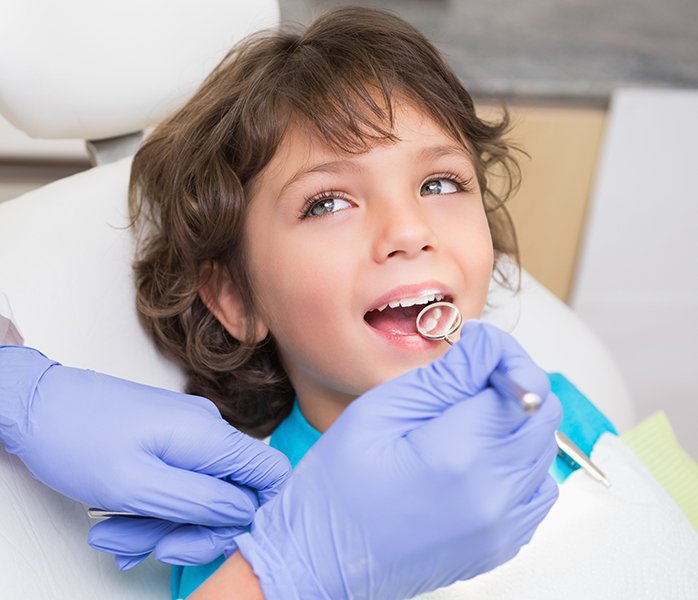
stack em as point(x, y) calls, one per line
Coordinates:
point(285, 210)
point(299, 211)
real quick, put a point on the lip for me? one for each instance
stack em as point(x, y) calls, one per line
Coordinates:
point(408, 342)
point(410, 291)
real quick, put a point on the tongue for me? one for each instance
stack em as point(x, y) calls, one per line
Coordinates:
point(397, 321)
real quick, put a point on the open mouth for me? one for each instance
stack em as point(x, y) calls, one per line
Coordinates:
point(400, 316)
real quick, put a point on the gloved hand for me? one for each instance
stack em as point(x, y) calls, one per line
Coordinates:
point(427, 479)
point(132, 540)
point(123, 446)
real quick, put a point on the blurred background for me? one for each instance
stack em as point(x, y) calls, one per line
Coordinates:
point(604, 100)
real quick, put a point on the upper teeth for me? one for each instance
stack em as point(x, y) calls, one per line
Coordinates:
point(423, 299)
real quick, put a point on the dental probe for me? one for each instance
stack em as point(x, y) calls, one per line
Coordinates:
point(440, 320)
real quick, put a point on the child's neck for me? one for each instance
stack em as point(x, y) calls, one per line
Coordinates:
point(322, 412)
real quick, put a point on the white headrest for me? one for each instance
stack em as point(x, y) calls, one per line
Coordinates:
point(95, 70)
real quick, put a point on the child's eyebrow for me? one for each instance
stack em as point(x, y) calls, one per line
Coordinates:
point(442, 151)
point(332, 166)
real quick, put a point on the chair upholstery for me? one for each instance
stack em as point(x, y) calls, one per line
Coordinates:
point(95, 70)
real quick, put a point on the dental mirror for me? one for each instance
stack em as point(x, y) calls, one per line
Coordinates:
point(439, 321)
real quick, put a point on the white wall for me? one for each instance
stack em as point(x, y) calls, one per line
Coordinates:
point(637, 282)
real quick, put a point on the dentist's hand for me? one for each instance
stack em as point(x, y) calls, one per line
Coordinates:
point(427, 479)
point(123, 446)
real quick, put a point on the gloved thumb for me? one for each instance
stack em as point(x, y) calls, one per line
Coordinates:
point(463, 372)
point(467, 368)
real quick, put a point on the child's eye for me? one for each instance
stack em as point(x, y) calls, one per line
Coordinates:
point(319, 207)
point(442, 185)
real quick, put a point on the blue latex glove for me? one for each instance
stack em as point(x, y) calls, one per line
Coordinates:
point(427, 479)
point(123, 446)
point(132, 540)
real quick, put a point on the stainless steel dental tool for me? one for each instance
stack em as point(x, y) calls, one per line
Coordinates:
point(98, 513)
point(440, 320)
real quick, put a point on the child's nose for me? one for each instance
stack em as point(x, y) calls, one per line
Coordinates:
point(402, 230)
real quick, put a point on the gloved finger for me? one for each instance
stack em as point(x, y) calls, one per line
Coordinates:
point(526, 516)
point(213, 447)
point(521, 520)
point(547, 494)
point(459, 435)
point(525, 519)
point(182, 496)
point(537, 431)
point(518, 367)
point(196, 545)
point(127, 536)
point(525, 480)
point(128, 562)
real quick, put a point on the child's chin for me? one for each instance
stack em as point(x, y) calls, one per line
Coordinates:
point(410, 362)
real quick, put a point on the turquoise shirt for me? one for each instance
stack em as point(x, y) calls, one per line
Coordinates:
point(582, 422)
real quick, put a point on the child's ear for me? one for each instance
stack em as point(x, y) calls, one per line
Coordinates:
point(221, 297)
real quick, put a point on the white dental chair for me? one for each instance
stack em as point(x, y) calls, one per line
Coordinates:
point(103, 73)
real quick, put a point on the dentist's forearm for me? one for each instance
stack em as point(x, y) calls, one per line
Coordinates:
point(234, 580)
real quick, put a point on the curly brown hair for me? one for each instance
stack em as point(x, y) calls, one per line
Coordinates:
point(190, 181)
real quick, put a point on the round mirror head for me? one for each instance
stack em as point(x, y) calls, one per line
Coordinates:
point(438, 321)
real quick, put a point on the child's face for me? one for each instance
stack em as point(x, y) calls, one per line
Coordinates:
point(333, 236)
